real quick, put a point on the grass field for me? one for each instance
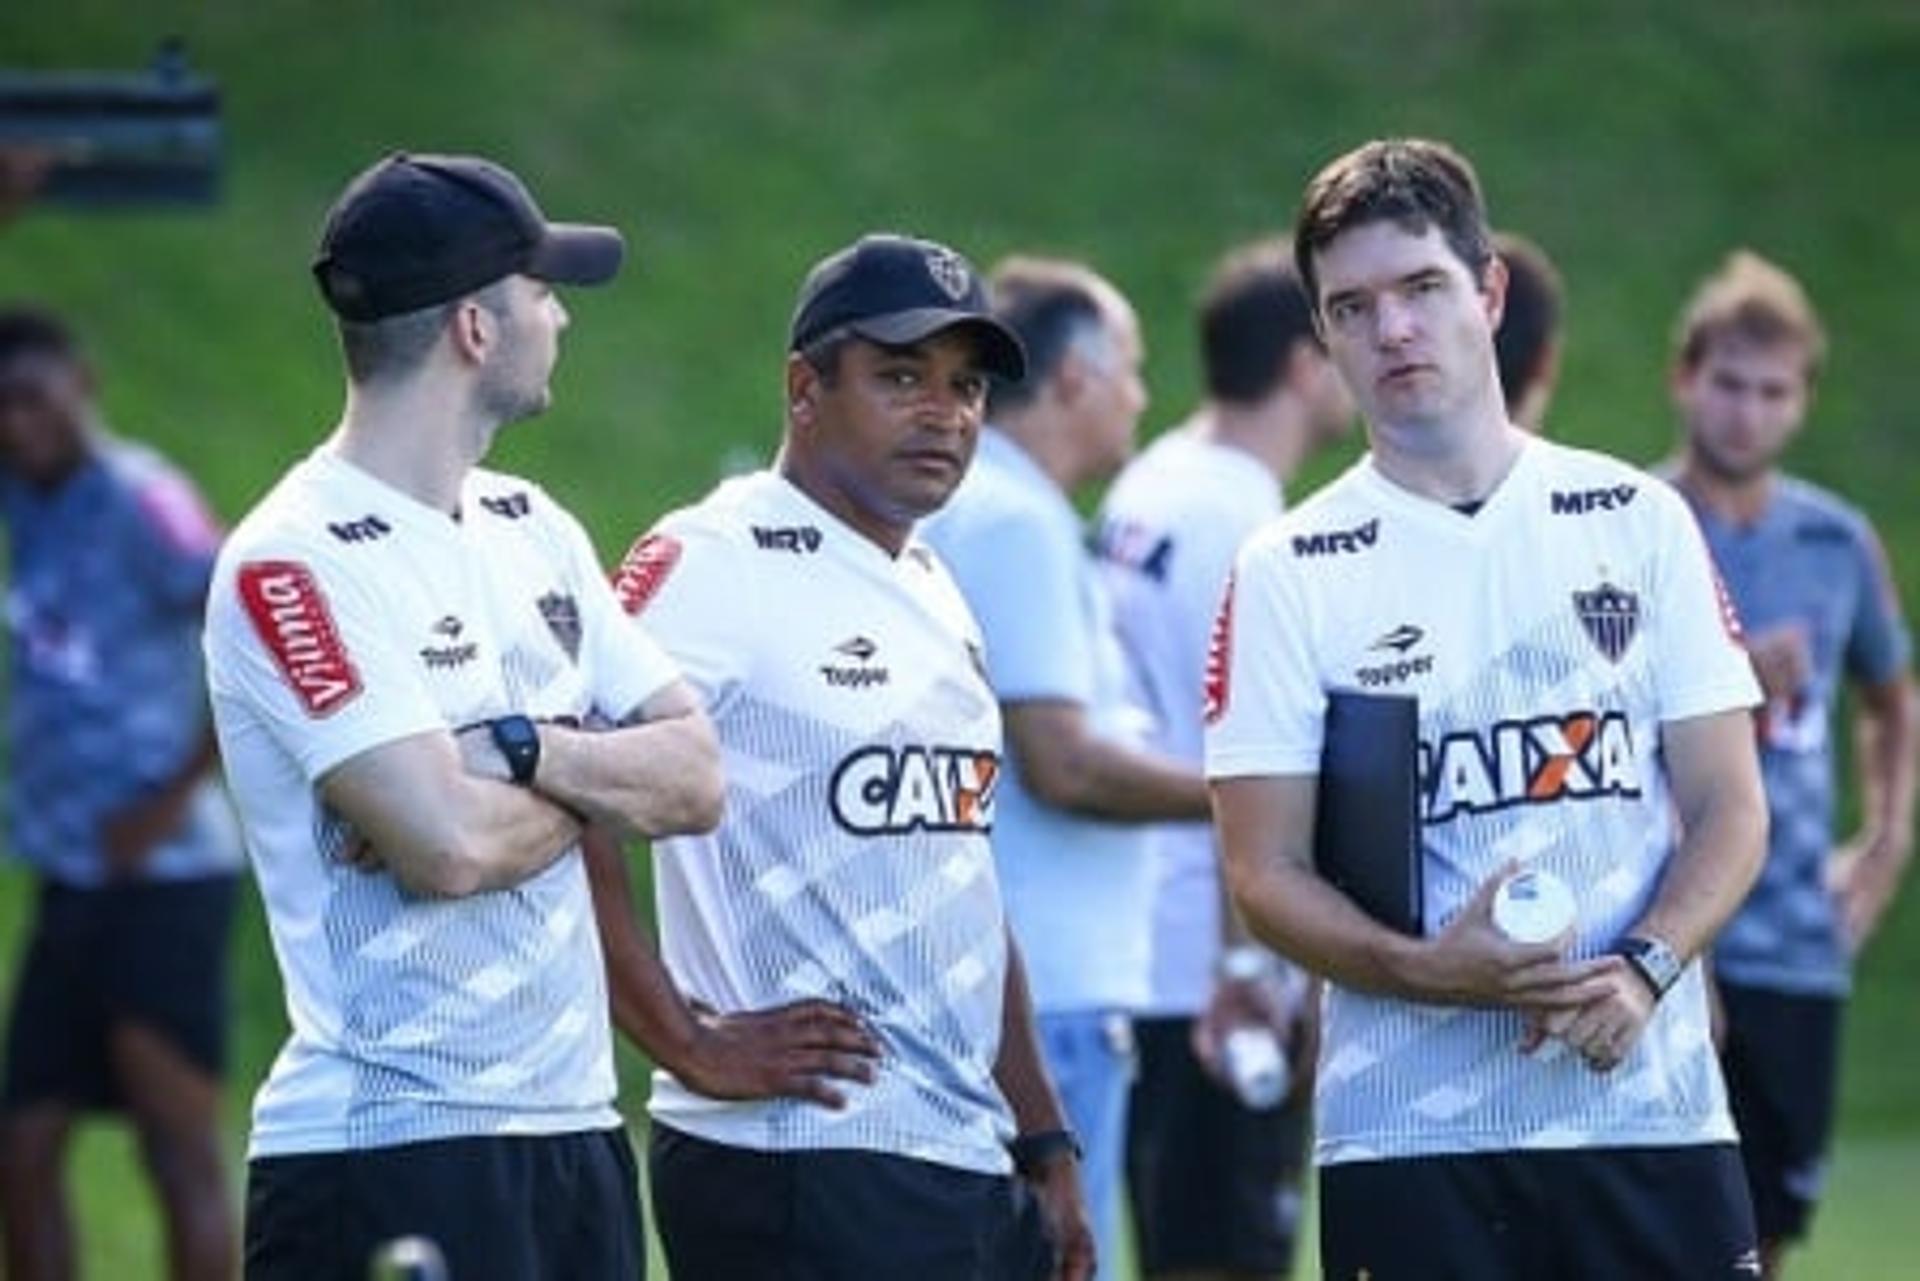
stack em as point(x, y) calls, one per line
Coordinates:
point(735, 142)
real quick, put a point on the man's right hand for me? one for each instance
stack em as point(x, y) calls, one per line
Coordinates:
point(1472, 962)
point(792, 1051)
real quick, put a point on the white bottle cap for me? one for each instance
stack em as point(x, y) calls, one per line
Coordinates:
point(1533, 906)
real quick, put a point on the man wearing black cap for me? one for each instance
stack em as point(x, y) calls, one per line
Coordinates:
point(845, 677)
point(423, 689)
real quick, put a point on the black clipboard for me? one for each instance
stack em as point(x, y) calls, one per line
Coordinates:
point(1366, 829)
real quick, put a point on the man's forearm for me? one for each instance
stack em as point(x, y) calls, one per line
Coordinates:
point(1020, 1070)
point(510, 834)
point(1723, 823)
point(647, 1009)
point(1294, 911)
point(657, 778)
point(1887, 767)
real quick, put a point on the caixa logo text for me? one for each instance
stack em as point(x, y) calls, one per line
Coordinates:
point(1580, 756)
point(882, 790)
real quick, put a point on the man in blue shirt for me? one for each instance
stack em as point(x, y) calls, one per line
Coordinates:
point(122, 991)
point(1811, 584)
point(1069, 840)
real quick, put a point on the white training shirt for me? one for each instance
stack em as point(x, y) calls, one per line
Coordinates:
point(344, 615)
point(1549, 637)
point(1168, 532)
point(862, 755)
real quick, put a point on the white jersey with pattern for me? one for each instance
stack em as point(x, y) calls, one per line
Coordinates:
point(1168, 532)
point(1549, 637)
point(344, 615)
point(861, 747)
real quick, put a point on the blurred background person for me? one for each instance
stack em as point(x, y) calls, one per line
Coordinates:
point(1068, 840)
point(1214, 1176)
point(1526, 346)
point(121, 1000)
point(1811, 583)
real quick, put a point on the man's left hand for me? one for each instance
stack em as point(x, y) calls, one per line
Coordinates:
point(1863, 877)
point(1605, 1029)
point(1063, 1208)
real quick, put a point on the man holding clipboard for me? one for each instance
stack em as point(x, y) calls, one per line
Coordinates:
point(1488, 1108)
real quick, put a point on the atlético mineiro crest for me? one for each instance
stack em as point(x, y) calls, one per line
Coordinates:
point(562, 613)
point(949, 272)
point(1611, 617)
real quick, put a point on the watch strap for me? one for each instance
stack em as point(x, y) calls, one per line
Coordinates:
point(1032, 1151)
point(1652, 960)
point(518, 739)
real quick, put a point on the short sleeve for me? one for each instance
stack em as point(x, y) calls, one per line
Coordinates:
point(1878, 646)
point(1700, 657)
point(1024, 583)
point(310, 652)
point(686, 587)
point(178, 538)
point(625, 666)
point(1265, 703)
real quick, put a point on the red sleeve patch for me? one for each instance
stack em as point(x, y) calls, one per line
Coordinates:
point(1729, 615)
point(644, 571)
point(290, 613)
point(1220, 658)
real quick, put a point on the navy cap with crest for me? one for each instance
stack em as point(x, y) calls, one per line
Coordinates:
point(897, 290)
point(415, 230)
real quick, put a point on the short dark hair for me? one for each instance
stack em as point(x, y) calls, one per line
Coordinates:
point(1252, 314)
point(392, 347)
point(1531, 320)
point(823, 353)
point(37, 331)
point(1752, 300)
point(1414, 183)
point(1048, 303)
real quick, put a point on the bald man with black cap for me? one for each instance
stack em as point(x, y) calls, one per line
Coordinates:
point(424, 688)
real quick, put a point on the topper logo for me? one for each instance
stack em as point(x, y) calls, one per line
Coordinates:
point(289, 612)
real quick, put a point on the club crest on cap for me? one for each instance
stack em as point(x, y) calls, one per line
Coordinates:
point(948, 271)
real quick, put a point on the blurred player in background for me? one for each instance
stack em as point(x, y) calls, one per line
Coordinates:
point(1215, 1183)
point(122, 994)
point(1527, 343)
point(1813, 589)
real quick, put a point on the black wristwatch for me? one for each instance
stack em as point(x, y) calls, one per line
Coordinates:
point(1033, 1151)
point(518, 739)
point(1652, 960)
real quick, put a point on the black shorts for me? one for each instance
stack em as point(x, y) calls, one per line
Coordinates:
point(154, 954)
point(837, 1215)
point(562, 1207)
point(1782, 1062)
point(1584, 1214)
point(1214, 1186)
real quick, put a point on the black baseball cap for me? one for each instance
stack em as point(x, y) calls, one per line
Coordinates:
point(897, 290)
point(415, 230)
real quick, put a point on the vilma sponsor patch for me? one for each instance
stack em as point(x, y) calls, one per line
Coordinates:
point(290, 614)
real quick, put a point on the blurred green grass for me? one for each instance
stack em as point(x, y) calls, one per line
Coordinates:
point(736, 142)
